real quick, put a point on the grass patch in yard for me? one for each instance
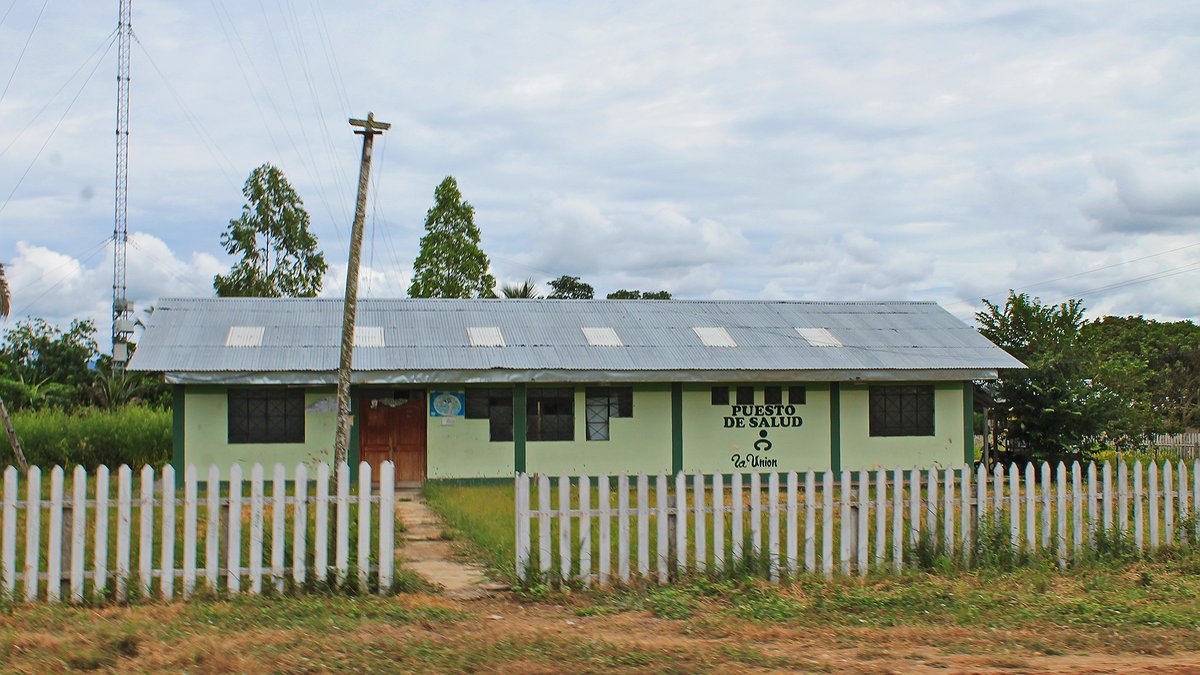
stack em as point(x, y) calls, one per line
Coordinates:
point(485, 513)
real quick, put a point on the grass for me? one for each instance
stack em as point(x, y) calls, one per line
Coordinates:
point(132, 434)
point(485, 513)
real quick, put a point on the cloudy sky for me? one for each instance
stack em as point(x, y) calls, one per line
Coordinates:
point(941, 151)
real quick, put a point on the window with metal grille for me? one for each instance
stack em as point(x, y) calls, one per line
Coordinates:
point(266, 415)
point(494, 405)
point(904, 410)
point(602, 404)
point(797, 395)
point(745, 395)
point(720, 395)
point(773, 395)
point(550, 414)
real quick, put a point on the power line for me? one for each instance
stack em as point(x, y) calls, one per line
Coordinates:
point(1154, 276)
point(1106, 267)
point(23, 48)
point(80, 262)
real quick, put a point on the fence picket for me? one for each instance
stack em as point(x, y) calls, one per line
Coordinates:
point(387, 524)
point(997, 492)
point(1030, 511)
point(663, 498)
point(362, 560)
point(914, 508)
point(8, 541)
point(78, 531)
point(1014, 508)
point(233, 536)
point(1061, 497)
point(124, 522)
point(1106, 491)
point(948, 513)
point(681, 517)
point(1138, 539)
point(341, 551)
point(860, 558)
point(880, 518)
point(1122, 498)
point(146, 531)
point(278, 520)
point(300, 524)
point(1046, 512)
point(33, 518)
point(964, 511)
point(845, 540)
point(735, 519)
point(1093, 504)
point(564, 527)
point(755, 516)
point(256, 527)
point(166, 582)
point(585, 530)
point(1168, 505)
point(718, 522)
point(792, 525)
point(827, 524)
point(190, 513)
point(1183, 497)
point(898, 519)
point(1196, 496)
point(100, 541)
point(773, 526)
point(643, 525)
point(54, 533)
point(321, 525)
point(931, 504)
point(1152, 506)
point(522, 510)
point(810, 522)
point(604, 495)
point(623, 528)
point(212, 493)
point(701, 537)
point(980, 498)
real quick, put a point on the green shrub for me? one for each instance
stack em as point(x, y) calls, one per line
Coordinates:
point(134, 435)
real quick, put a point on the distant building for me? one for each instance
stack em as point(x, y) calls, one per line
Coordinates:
point(486, 388)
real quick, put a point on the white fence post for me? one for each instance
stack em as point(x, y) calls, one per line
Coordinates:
point(948, 513)
point(363, 559)
point(190, 512)
point(523, 531)
point(1030, 511)
point(773, 526)
point(166, 583)
point(321, 525)
point(146, 531)
point(898, 519)
point(755, 517)
point(623, 528)
point(299, 524)
point(1061, 496)
point(845, 524)
point(564, 527)
point(55, 536)
point(604, 495)
point(278, 520)
point(736, 517)
point(964, 509)
point(681, 517)
point(233, 537)
point(8, 541)
point(33, 541)
point(1093, 504)
point(124, 522)
point(700, 536)
point(256, 527)
point(1152, 484)
point(585, 530)
point(662, 524)
point(1077, 508)
point(387, 524)
point(1138, 539)
point(1168, 505)
point(827, 524)
point(880, 518)
point(1106, 490)
point(643, 525)
point(791, 526)
point(864, 506)
point(341, 552)
point(78, 531)
point(718, 521)
point(1014, 508)
point(100, 543)
point(1122, 498)
point(810, 521)
point(212, 531)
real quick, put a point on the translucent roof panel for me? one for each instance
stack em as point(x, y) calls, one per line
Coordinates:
point(368, 336)
point(602, 337)
point(714, 336)
point(819, 337)
point(485, 336)
point(244, 336)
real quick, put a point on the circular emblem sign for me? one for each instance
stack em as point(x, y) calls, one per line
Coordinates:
point(447, 405)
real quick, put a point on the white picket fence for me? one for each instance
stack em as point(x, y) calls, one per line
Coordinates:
point(717, 520)
point(74, 555)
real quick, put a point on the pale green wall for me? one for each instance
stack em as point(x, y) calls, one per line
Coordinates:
point(710, 446)
point(206, 436)
point(638, 444)
point(944, 448)
point(460, 447)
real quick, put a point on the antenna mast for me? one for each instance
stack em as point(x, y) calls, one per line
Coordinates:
point(122, 309)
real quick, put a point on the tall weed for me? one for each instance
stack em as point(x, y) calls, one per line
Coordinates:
point(134, 435)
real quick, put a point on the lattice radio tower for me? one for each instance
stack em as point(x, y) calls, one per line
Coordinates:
point(122, 309)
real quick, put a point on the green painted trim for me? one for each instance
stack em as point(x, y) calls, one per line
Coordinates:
point(835, 427)
point(470, 482)
point(968, 422)
point(177, 433)
point(519, 432)
point(352, 453)
point(676, 428)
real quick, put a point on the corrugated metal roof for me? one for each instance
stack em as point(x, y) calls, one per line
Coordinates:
point(303, 336)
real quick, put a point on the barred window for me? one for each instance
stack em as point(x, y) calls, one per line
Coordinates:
point(604, 403)
point(266, 415)
point(720, 395)
point(745, 395)
point(905, 410)
point(773, 395)
point(550, 414)
point(494, 405)
point(797, 395)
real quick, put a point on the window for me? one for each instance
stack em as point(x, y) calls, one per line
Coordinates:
point(773, 395)
point(604, 403)
point(720, 395)
point(265, 415)
point(745, 395)
point(797, 396)
point(550, 414)
point(494, 405)
point(901, 410)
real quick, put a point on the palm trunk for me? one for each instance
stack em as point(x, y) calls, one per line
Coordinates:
point(12, 439)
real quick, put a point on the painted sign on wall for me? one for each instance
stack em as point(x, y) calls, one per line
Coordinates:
point(447, 403)
point(763, 418)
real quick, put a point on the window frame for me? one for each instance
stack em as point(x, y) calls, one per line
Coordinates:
point(257, 426)
point(797, 395)
point(907, 410)
point(720, 395)
point(745, 392)
point(616, 402)
point(562, 422)
point(772, 394)
point(490, 403)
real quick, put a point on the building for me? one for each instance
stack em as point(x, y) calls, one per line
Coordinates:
point(486, 388)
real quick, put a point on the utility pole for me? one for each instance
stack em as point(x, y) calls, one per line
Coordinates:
point(370, 129)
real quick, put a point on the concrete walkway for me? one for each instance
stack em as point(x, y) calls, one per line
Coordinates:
point(432, 557)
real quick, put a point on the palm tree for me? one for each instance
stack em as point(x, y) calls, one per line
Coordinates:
point(526, 290)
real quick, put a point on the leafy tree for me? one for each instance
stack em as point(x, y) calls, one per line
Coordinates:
point(1056, 409)
point(526, 290)
point(44, 366)
point(450, 263)
point(570, 288)
point(279, 256)
point(639, 295)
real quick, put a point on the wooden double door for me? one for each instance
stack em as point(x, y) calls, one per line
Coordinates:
point(394, 429)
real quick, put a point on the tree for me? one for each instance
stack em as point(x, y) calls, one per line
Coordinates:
point(570, 288)
point(279, 256)
point(5, 295)
point(639, 295)
point(450, 263)
point(43, 366)
point(1056, 409)
point(526, 290)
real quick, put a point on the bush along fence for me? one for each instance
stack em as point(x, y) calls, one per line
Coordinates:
point(99, 542)
point(874, 520)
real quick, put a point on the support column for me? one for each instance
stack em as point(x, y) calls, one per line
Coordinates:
point(676, 428)
point(519, 432)
point(178, 460)
point(969, 423)
point(835, 426)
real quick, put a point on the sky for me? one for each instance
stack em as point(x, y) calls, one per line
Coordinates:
point(944, 151)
